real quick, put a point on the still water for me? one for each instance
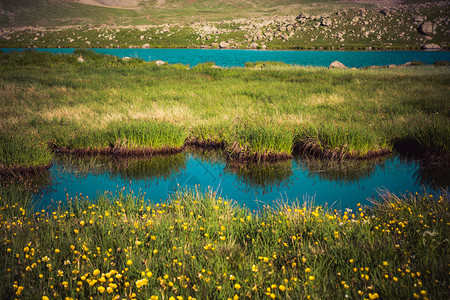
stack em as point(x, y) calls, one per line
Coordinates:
point(337, 185)
point(237, 58)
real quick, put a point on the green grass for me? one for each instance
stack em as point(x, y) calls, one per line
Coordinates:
point(197, 245)
point(21, 149)
point(106, 102)
point(263, 138)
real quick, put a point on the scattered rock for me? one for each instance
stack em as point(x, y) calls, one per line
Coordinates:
point(408, 64)
point(419, 19)
point(385, 11)
point(80, 59)
point(303, 16)
point(342, 12)
point(337, 65)
point(426, 28)
point(126, 58)
point(431, 47)
point(146, 46)
point(326, 22)
point(160, 62)
point(253, 46)
point(224, 45)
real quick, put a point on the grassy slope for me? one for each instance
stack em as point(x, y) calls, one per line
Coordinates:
point(234, 20)
point(57, 13)
point(106, 101)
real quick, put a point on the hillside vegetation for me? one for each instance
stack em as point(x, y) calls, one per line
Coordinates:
point(262, 24)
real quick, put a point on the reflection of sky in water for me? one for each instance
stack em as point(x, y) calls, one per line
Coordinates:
point(393, 174)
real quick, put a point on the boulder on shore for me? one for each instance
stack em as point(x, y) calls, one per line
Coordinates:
point(253, 46)
point(160, 62)
point(431, 47)
point(146, 46)
point(337, 65)
point(224, 45)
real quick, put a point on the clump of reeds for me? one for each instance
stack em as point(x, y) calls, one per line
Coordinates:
point(214, 136)
point(22, 153)
point(144, 138)
point(339, 142)
point(260, 142)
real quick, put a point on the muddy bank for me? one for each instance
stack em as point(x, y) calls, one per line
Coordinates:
point(312, 148)
point(22, 171)
point(207, 144)
point(412, 149)
point(120, 151)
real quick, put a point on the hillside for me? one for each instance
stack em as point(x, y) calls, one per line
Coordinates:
point(271, 24)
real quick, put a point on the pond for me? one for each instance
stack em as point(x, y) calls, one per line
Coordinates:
point(237, 58)
point(338, 185)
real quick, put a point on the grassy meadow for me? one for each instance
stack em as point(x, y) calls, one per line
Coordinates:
point(262, 112)
point(199, 246)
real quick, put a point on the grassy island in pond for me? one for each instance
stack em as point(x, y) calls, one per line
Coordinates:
point(199, 246)
point(263, 112)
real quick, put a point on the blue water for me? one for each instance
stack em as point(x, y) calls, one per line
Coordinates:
point(296, 180)
point(237, 58)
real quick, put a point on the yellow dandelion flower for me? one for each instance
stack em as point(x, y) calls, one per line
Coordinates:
point(101, 289)
point(129, 262)
point(311, 278)
point(237, 286)
point(282, 288)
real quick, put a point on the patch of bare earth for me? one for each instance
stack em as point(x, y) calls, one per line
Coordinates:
point(111, 3)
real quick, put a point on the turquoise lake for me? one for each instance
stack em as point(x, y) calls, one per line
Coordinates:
point(237, 58)
point(337, 185)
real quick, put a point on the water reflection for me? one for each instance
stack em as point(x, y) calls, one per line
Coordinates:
point(340, 171)
point(129, 168)
point(434, 175)
point(342, 183)
point(264, 177)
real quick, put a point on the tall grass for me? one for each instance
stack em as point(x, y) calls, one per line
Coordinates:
point(106, 101)
point(347, 141)
point(20, 148)
point(264, 138)
point(133, 135)
point(201, 246)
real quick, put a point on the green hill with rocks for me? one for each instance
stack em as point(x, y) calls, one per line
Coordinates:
point(269, 24)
